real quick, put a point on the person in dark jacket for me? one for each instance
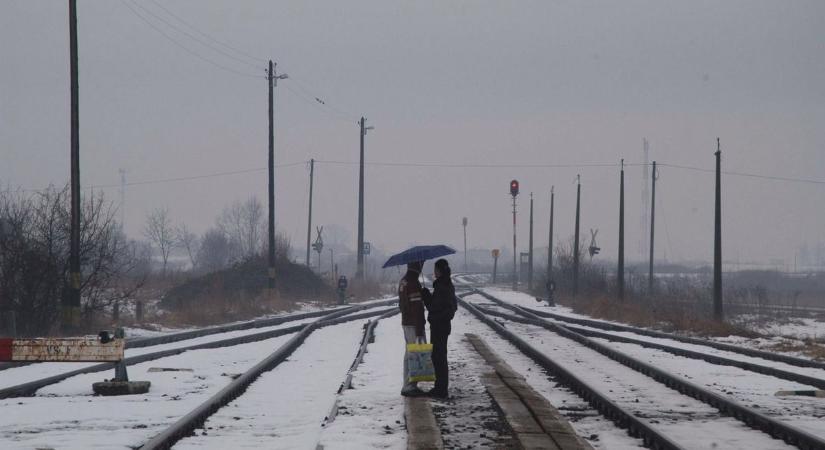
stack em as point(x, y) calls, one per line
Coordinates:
point(441, 306)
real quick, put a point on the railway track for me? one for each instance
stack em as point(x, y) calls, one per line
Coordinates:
point(29, 388)
point(626, 415)
point(197, 372)
point(787, 359)
point(748, 363)
point(288, 389)
point(141, 342)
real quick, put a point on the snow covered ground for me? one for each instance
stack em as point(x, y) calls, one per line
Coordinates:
point(18, 375)
point(286, 407)
point(67, 416)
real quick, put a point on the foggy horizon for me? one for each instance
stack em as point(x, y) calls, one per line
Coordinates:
point(544, 90)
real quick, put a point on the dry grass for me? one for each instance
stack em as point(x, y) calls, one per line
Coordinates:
point(644, 313)
point(808, 348)
point(213, 310)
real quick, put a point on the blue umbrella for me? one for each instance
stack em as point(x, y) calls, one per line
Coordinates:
point(418, 253)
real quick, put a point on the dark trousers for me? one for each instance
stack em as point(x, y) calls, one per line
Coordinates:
point(438, 337)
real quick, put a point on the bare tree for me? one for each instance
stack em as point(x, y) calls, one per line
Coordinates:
point(214, 251)
point(34, 268)
point(159, 231)
point(243, 225)
point(188, 241)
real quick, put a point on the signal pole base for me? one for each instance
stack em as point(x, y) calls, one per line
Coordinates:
point(109, 388)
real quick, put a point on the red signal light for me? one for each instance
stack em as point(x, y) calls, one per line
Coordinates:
point(514, 188)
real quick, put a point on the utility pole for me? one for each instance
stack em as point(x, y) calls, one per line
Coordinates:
point(514, 192)
point(495, 254)
point(645, 199)
point(530, 251)
point(332, 264)
point(464, 222)
point(653, 177)
point(272, 82)
point(309, 220)
point(71, 301)
point(360, 270)
point(718, 312)
point(576, 237)
point(620, 271)
point(550, 238)
point(122, 198)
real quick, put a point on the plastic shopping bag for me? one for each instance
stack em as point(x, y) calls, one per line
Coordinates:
point(420, 363)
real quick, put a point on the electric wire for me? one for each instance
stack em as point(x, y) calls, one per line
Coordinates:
point(433, 165)
point(185, 48)
point(207, 36)
point(306, 95)
point(746, 174)
point(194, 38)
point(469, 166)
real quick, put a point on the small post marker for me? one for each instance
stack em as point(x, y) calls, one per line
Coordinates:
point(120, 384)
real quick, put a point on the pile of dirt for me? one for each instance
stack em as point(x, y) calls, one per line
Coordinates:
point(247, 282)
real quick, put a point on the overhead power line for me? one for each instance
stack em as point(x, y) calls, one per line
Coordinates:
point(748, 175)
point(430, 165)
point(183, 47)
point(207, 36)
point(301, 90)
point(470, 166)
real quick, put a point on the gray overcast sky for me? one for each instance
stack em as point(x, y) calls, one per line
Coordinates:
point(463, 82)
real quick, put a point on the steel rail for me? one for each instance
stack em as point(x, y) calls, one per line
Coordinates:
point(191, 334)
point(184, 426)
point(777, 429)
point(367, 338)
point(794, 361)
point(31, 387)
point(636, 427)
point(713, 359)
point(258, 323)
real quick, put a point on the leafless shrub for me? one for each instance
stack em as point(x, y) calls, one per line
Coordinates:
point(34, 258)
point(160, 232)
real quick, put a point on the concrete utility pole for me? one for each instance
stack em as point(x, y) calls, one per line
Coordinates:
point(718, 312)
point(530, 251)
point(464, 222)
point(71, 301)
point(576, 237)
point(360, 270)
point(309, 220)
point(653, 177)
point(645, 199)
point(620, 271)
point(122, 198)
point(272, 82)
point(495, 254)
point(550, 237)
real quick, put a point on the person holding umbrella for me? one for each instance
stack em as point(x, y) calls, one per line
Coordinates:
point(412, 319)
point(442, 305)
point(410, 301)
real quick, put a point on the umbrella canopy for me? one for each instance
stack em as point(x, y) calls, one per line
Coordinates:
point(418, 253)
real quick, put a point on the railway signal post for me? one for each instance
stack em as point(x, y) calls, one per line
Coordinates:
point(514, 192)
point(576, 237)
